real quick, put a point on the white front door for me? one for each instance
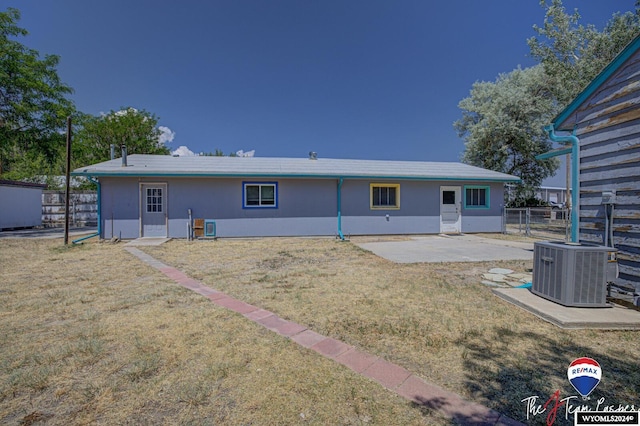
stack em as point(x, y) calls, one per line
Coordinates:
point(153, 206)
point(450, 210)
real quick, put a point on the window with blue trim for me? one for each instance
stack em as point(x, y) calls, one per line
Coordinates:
point(260, 194)
point(476, 197)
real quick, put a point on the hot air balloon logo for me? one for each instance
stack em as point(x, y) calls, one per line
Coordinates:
point(584, 374)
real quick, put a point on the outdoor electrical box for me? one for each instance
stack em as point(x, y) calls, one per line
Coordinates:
point(608, 197)
point(571, 274)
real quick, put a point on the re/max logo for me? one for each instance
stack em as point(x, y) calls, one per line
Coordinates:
point(581, 370)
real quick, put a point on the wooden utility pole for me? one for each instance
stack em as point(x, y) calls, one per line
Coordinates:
point(68, 184)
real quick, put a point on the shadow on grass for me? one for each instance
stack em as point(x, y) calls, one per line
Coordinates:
point(501, 379)
point(462, 415)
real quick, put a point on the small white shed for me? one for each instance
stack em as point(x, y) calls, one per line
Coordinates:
point(20, 204)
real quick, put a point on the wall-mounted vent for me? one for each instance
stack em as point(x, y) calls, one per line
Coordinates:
point(570, 274)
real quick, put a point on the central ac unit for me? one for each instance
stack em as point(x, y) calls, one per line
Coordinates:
point(571, 274)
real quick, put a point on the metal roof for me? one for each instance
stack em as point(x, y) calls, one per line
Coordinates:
point(207, 166)
point(4, 182)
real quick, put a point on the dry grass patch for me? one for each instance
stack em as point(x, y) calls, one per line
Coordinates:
point(518, 237)
point(379, 238)
point(91, 335)
point(434, 319)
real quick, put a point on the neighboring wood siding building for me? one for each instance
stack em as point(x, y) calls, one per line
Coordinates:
point(606, 119)
point(20, 204)
point(82, 206)
point(152, 195)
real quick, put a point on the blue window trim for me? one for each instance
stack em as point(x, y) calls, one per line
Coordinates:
point(244, 195)
point(487, 196)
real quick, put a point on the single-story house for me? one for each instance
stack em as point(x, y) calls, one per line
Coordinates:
point(603, 123)
point(155, 195)
point(21, 204)
point(552, 195)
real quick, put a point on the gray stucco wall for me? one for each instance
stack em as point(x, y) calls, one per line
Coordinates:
point(419, 211)
point(305, 207)
point(120, 207)
point(20, 206)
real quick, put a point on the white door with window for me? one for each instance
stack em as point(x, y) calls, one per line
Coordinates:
point(153, 203)
point(450, 210)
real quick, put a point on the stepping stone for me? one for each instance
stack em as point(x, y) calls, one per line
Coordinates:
point(520, 276)
point(498, 278)
point(500, 271)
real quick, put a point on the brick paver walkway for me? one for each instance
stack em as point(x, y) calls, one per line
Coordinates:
point(391, 376)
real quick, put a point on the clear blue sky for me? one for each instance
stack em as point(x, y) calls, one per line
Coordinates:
point(348, 79)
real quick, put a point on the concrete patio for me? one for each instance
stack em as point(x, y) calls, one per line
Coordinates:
point(615, 317)
point(450, 248)
point(475, 248)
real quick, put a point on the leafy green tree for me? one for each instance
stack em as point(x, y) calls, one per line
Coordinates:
point(573, 54)
point(137, 129)
point(33, 106)
point(502, 125)
point(502, 122)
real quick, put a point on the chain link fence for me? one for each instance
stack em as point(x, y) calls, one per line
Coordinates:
point(538, 222)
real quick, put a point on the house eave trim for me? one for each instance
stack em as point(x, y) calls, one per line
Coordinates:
point(291, 176)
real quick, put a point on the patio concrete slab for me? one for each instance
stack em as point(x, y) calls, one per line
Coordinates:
point(614, 318)
point(147, 242)
point(450, 248)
